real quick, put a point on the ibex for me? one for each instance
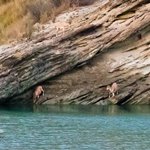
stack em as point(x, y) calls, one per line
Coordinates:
point(37, 93)
point(113, 89)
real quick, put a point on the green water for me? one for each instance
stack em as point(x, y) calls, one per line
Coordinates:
point(75, 128)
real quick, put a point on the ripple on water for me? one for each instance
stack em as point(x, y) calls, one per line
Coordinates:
point(75, 127)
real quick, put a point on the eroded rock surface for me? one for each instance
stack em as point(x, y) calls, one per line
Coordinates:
point(109, 44)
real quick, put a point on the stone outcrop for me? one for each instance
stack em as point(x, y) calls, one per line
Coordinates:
point(108, 43)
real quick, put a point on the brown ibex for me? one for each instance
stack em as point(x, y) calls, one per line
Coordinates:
point(37, 93)
point(113, 89)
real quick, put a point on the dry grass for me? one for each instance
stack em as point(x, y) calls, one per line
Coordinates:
point(18, 16)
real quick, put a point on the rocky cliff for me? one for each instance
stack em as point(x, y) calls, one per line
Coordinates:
point(75, 58)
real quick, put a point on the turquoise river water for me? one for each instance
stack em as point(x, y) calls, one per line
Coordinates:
point(75, 128)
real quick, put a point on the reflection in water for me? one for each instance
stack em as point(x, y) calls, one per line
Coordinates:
point(107, 110)
point(90, 109)
point(75, 127)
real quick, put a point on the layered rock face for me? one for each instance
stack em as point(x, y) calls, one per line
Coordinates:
point(96, 46)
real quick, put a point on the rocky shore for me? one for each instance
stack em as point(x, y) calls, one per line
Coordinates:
point(103, 44)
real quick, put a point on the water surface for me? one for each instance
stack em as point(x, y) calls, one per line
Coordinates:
point(75, 128)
